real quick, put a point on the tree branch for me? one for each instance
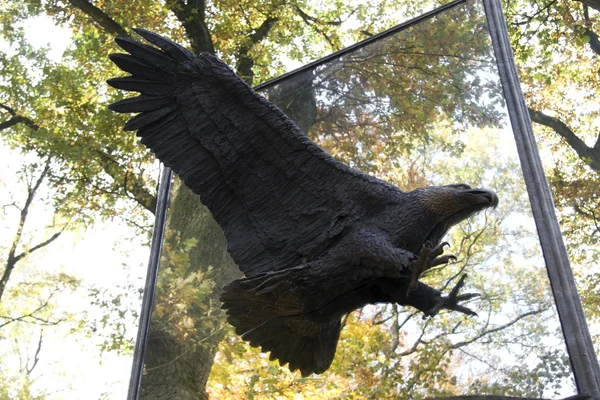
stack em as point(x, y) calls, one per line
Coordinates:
point(193, 19)
point(12, 258)
point(245, 62)
point(314, 23)
point(25, 318)
point(16, 119)
point(10, 110)
point(310, 18)
point(31, 315)
point(100, 17)
point(588, 155)
point(594, 41)
point(132, 185)
point(495, 329)
point(39, 245)
point(36, 356)
point(590, 215)
point(131, 182)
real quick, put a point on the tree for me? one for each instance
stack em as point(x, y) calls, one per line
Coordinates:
point(28, 298)
point(558, 54)
point(58, 109)
point(101, 170)
point(19, 249)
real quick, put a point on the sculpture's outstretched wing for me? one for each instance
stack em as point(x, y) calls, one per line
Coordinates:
point(279, 197)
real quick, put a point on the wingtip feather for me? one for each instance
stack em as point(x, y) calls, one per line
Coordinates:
point(173, 49)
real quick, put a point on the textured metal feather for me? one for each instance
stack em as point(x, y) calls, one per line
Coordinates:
point(174, 50)
point(147, 118)
point(147, 54)
point(140, 103)
point(145, 86)
point(138, 68)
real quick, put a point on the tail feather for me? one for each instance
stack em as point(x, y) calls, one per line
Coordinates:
point(266, 310)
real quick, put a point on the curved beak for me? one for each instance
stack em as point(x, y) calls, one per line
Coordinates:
point(487, 196)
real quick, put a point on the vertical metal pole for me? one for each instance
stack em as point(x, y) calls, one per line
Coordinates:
point(162, 205)
point(575, 330)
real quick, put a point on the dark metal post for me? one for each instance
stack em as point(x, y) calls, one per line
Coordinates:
point(162, 205)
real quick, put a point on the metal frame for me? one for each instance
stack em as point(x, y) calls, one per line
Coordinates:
point(575, 330)
point(160, 221)
point(583, 359)
point(360, 44)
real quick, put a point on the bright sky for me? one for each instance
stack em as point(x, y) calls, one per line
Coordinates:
point(41, 31)
point(105, 257)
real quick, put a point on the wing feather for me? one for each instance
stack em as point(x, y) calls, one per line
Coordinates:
point(275, 193)
point(140, 103)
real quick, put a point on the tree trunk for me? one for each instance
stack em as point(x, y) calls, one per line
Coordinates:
point(177, 366)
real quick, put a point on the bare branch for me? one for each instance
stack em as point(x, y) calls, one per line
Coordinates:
point(12, 258)
point(588, 155)
point(36, 356)
point(100, 17)
point(39, 245)
point(496, 329)
point(31, 317)
point(28, 319)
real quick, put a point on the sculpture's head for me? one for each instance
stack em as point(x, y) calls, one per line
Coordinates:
point(448, 205)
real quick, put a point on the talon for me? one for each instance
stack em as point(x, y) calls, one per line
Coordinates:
point(451, 302)
point(443, 260)
point(428, 258)
point(439, 249)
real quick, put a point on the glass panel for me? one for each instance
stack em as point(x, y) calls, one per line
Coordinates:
point(568, 136)
point(420, 107)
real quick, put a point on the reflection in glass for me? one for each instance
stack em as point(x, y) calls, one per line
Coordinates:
point(420, 107)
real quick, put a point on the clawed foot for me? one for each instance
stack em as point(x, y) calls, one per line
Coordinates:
point(428, 258)
point(451, 301)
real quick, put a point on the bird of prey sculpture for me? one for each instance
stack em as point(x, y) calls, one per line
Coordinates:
point(314, 238)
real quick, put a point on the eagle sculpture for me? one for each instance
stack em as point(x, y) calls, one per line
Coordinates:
point(314, 238)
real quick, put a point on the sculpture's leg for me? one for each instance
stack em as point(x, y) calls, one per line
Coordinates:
point(373, 251)
point(428, 258)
